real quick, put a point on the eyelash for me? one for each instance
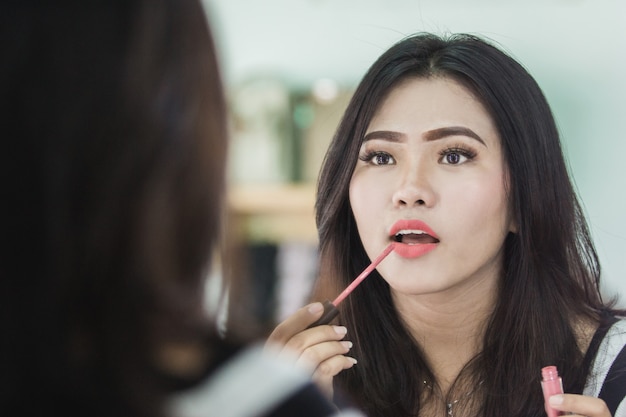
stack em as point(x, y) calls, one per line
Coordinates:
point(462, 150)
point(369, 156)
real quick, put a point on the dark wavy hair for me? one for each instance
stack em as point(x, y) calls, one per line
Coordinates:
point(551, 270)
point(113, 121)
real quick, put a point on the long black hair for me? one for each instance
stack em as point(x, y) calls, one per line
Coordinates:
point(113, 118)
point(551, 270)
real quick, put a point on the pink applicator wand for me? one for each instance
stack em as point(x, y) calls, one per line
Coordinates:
point(330, 309)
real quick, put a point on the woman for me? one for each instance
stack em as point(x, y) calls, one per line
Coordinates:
point(114, 122)
point(449, 150)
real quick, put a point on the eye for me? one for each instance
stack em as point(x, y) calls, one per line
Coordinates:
point(378, 158)
point(456, 156)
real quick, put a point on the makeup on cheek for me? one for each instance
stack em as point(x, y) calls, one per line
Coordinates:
point(330, 308)
point(551, 384)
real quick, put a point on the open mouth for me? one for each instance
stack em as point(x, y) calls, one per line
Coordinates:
point(414, 237)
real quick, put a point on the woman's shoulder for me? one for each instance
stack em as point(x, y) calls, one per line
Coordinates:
point(255, 382)
point(607, 376)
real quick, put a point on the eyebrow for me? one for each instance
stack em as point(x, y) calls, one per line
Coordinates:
point(431, 135)
point(452, 131)
point(385, 135)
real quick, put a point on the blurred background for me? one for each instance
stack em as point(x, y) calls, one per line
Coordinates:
point(291, 65)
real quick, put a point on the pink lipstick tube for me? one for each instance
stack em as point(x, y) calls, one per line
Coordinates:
point(551, 384)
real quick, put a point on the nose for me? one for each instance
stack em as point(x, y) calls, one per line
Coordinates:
point(414, 190)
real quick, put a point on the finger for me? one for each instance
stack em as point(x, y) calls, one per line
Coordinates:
point(314, 341)
point(331, 367)
point(324, 374)
point(296, 323)
point(318, 354)
point(580, 405)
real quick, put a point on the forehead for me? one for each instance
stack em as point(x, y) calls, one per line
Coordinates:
point(421, 104)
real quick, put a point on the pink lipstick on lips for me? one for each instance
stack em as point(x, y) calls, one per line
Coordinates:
point(413, 238)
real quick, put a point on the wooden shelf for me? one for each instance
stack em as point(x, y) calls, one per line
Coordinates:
point(274, 213)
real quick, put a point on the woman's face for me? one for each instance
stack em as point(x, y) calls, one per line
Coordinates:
point(431, 176)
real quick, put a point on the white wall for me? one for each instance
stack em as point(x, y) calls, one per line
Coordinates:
point(576, 49)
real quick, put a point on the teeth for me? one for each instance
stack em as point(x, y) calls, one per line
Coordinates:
point(411, 232)
point(398, 236)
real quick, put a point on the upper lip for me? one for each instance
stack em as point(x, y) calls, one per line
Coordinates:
point(406, 226)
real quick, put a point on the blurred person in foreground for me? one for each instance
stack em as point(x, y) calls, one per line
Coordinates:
point(114, 122)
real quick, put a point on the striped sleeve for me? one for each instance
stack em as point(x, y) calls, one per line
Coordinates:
point(255, 384)
point(607, 378)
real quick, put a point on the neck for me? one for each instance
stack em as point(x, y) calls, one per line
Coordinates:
point(448, 326)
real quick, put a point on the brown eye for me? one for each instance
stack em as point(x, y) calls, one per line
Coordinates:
point(453, 158)
point(456, 156)
point(378, 158)
point(382, 159)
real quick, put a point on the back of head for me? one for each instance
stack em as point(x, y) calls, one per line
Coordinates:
point(113, 117)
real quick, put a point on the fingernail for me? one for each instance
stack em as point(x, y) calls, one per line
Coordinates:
point(316, 308)
point(556, 399)
point(354, 361)
point(347, 345)
point(340, 329)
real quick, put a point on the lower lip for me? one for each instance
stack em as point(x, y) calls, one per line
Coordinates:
point(413, 251)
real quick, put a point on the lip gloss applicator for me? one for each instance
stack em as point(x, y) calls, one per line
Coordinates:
point(330, 308)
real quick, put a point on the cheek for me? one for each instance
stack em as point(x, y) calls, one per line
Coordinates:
point(485, 206)
point(365, 200)
point(358, 199)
